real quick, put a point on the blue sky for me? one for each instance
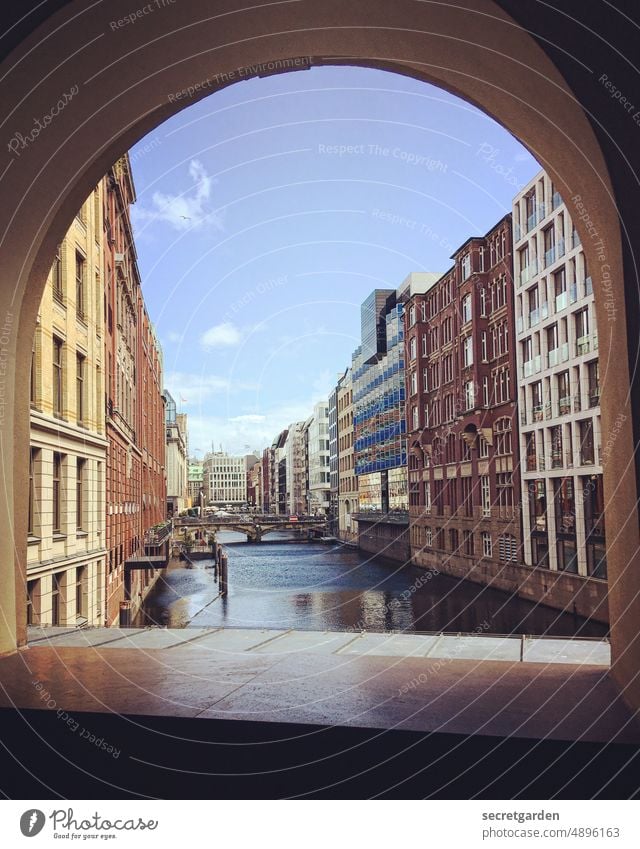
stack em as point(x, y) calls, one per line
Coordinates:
point(268, 211)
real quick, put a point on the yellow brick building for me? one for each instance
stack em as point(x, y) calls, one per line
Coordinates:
point(67, 462)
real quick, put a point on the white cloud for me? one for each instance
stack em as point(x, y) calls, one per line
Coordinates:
point(221, 336)
point(191, 209)
point(172, 336)
point(249, 418)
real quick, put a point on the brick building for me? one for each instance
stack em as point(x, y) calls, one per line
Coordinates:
point(464, 491)
point(134, 407)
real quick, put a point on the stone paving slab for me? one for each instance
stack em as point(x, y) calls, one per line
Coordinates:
point(391, 645)
point(88, 637)
point(477, 647)
point(550, 650)
point(318, 642)
point(157, 638)
point(234, 640)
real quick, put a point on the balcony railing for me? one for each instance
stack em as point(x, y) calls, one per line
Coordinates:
point(594, 397)
point(554, 252)
point(553, 357)
point(575, 239)
point(569, 459)
point(556, 200)
point(527, 368)
point(534, 317)
point(531, 463)
point(577, 403)
point(529, 271)
point(561, 301)
point(523, 417)
point(547, 410)
point(583, 345)
point(564, 351)
point(519, 324)
point(588, 286)
point(544, 310)
point(158, 534)
point(537, 363)
point(573, 292)
point(556, 459)
point(564, 405)
point(538, 412)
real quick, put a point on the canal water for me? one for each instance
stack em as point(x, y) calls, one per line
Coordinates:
point(318, 587)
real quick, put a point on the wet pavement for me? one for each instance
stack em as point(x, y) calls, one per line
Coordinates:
point(318, 587)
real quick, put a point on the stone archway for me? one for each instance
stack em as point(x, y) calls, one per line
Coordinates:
point(99, 80)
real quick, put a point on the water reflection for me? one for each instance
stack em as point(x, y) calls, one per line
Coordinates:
point(316, 587)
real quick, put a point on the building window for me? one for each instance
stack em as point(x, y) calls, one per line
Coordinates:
point(412, 348)
point(507, 548)
point(33, 602)
point(56, 276)
point(487, 548)
point(467, 351)
point(428, 537)
point(415, 421)
point(57, 377)
point(593, 378)
point(465, 266)
point(33, 523)
point(485, 391)
point(57, 493)
point(469, 398)
point(485, 490)
point(466, 309)
point(587, 451)
point(80, 388)
point(413, 383)
point(453, 540)
point(80, 475)
point(81, 591)
point(412, 315)
point(56, 593)
point(80, 285)
point(468, 542)
point(483, 450)
point(467, 495)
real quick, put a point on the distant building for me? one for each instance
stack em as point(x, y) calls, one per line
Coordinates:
point(176, 457)
point(195, 483)
point(334, 475)
point(295, 469)
point(347, 480)
point(254, 484)
point(225, 480)
point(278, 474)
point(267, 472)
point(318, 460)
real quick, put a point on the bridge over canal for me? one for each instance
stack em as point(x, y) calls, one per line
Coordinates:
point(255, 526)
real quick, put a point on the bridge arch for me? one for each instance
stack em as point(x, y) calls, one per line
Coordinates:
point(128, 79)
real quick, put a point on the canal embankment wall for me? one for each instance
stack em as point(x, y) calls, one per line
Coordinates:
point(586, 597)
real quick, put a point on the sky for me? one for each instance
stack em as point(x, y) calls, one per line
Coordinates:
point(267, 212)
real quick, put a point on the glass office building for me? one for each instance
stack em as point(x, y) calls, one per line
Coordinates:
point(380, 446)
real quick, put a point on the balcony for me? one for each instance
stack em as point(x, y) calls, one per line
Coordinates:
point(534, 317)
point(564, 352)
point(575, 239)
point(583, 345)
point(553, 357)
point(519, 324)
point(556, 201)
point(556, 459)
point(528, 272)
point(561, 301)
point(547, 410)
point(531, 463)
point(158, 534)
point(594, 397)
point(537, 363)
point(527, 368)
point(544, 310)
point(564, 405)
point(577, 403)
point(538, 412)
point(523, 417)
point(588, 286)
point(573, 292)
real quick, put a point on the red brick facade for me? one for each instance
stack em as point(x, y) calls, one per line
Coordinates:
point(135, 413)
point(461, 391)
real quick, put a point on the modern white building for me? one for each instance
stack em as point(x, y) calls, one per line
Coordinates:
point(559, 402)
point(176, 457)
point(225, 479)
point(317, 430)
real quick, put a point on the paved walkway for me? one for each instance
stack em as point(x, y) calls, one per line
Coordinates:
point(468, 684)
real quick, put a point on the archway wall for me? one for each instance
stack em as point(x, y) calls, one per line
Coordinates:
point(123, 79)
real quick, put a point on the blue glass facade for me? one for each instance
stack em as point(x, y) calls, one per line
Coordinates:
point(380, 444)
